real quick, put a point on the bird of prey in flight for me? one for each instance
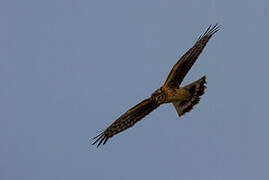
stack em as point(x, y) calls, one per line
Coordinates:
point(183, 98)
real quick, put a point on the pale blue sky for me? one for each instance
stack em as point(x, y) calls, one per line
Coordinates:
point(70, 68)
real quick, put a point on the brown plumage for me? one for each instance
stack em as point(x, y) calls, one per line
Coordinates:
point(183, 98)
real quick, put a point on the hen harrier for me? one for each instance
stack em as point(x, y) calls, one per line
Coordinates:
point(183, 98)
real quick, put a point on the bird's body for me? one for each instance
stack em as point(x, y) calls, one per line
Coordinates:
point(174, 94)
point(183, 98)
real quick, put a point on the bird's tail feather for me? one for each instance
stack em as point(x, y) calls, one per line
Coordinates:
point(196, 89)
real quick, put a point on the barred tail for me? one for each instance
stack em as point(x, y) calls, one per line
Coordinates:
point(196, 89)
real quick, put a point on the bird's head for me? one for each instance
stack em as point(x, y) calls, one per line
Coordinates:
point(159, 96)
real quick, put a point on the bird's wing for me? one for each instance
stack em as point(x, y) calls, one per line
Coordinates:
point(127, 120)
point(185, 63)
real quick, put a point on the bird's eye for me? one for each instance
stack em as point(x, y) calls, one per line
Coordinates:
point(160, 98)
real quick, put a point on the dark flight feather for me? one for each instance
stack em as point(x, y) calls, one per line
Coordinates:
point(184, 64)
point(126, 121)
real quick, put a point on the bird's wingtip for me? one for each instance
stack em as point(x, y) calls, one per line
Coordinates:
point(210, 31)
point(99, 139)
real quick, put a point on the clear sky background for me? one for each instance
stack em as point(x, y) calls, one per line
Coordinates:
point(70, 68)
